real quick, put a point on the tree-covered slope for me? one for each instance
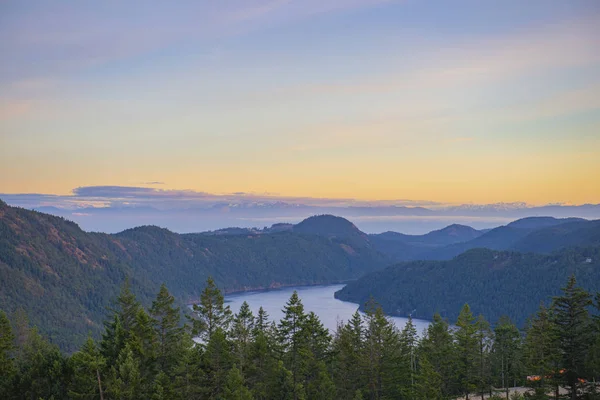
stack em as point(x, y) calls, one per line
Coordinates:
point(536, 234)
point(64, 277)
point(401, 247)
point(492, 282)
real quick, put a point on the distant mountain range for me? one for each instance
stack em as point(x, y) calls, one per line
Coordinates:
point(113, 209)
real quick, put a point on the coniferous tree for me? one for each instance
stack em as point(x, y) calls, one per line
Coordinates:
point(283, 387)
point(540, 353)
point(293, 341)
point(408, 357)
point(484, 343)
point(348, 361)
point(506, 351)
point(573, 327)
point(428, 385)
point(241, 334)
point(466, 346)
point(169, 333)
point(42, 371)
point(162, 389)
point(262, 367)
point(189, 375)
point(593, 360)
point(234, 386)
point(382, 354)
point(438, 348)
point(317, 382)
point(141, 340)
point(88, 366)
point(126, 381)
point(121, 325)
point(218, 359)
point(7, 347)
point(211, 313)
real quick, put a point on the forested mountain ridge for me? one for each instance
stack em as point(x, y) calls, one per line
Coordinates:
point(401, 247)
point(64, 277)
point(492, 282)
point(535, 234)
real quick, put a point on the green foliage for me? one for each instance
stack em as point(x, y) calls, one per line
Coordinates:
point(574, 331)
point(7, 346)
point(493, 283)
point(466, 347)
point(211, 313)
point(298, 359)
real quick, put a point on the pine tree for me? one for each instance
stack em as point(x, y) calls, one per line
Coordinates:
point(382, 354)
point(189, 375)
point(7, 348)
point(541, 355)
point(438, 348)
point(162, 388)
point(571, 318)
point(317, 381)
point(127, 307)
point(262, 367)
point(283, 387)
point(125, 382)
point(87, 365)
point(593, 360)
point(234, 386)
point(143, 342)
point(506, 350)
point(408, 354)
point(42, 371)
point(320, 386)
point(169, 333)
point(466, 346)
point(218, 360)
point(428, 382)
point(241, 334)
point(293, 340)
point(348, 360)
point(211, 313)
point(484, 343)
point(262, 321)
point(121, 325)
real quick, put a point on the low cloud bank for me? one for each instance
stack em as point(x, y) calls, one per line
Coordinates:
point(115, 208)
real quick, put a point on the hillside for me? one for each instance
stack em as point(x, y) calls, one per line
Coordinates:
point(334, 228)
point(491, 282)
point(401, 247)
point(65, 278)
point(536, 234)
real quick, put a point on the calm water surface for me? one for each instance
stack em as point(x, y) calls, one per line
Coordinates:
point(318, 299)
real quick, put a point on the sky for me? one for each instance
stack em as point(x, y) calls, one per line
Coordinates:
point(396, 102)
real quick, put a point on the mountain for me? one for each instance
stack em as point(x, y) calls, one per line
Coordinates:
point(541, 222)
point(401, 247)
point(579, 233)
point(334, 228)
point(65, 278)
point(491, 282)
point(528, 235)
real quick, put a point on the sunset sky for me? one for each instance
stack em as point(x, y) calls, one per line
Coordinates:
point(446, 101)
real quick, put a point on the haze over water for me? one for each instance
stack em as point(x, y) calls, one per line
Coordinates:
point(318, 299)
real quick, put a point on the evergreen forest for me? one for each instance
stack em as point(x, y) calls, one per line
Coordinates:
point(218, 353)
